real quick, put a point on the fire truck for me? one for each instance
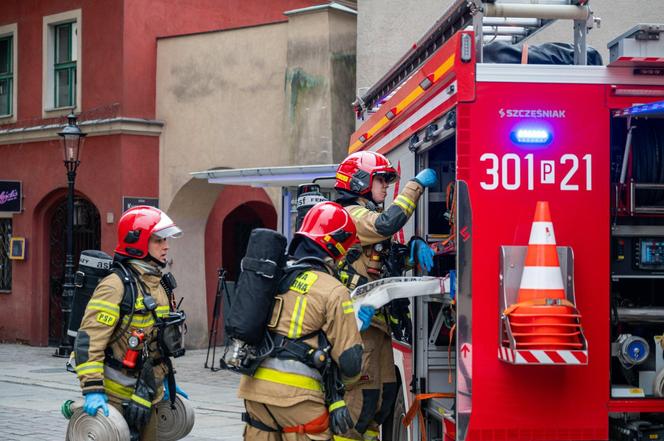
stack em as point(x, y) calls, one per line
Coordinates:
point(505, 139)
point(523, 150)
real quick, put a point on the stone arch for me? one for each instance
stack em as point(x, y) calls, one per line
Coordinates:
point(40, 264)
point(199, 208)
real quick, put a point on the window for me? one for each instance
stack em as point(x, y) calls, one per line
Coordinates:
point(6, 75)
point(62, 63)
point(5, 262)
point(65, 65)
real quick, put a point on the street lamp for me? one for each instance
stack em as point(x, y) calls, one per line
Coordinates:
point(72, 141)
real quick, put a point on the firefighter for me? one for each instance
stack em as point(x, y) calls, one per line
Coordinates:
point(284, 399)
point(362, 180)
point(119, 360)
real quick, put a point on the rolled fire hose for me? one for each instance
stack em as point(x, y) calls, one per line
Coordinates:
point(83, 427)
point(658, 384)
point(174, 424)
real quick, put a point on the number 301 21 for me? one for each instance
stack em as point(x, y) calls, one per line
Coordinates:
point(505, 171)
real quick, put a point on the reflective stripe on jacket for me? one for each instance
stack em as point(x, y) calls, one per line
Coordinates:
point(316, 301)
point(101, 324)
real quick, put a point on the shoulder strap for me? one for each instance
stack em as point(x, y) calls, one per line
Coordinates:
point(130, 292)
point(290, 274)
point(128, 303)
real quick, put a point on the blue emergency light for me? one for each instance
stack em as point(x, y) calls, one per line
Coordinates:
point(531, 136)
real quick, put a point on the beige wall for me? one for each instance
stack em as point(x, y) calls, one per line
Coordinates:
point(319, 85)
point(221, 97)
point(343, 40)
point(269, 95)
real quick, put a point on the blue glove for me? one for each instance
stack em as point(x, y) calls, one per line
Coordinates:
point(94, 401)
point(365, 314)
point(424, 253)
point(167, 395)
point(426, 178)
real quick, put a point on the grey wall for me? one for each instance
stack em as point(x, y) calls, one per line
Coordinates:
point(270, 95)
point(617, 17)
point(386, 29)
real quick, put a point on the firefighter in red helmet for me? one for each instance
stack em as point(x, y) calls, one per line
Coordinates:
point(362, 181)
point(286, 398)
point(121, 357)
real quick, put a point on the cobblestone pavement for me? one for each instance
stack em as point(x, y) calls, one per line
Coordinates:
point(34, 384)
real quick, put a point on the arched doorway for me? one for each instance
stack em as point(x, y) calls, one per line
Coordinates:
point(87, 236)
point(235, 232)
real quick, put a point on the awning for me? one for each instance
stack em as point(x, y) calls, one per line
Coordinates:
point(288, 176)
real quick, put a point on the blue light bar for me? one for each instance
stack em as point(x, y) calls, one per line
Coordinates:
point(531, 136)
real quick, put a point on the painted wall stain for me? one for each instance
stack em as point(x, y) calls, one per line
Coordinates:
point(193, 81)
point(300, 82)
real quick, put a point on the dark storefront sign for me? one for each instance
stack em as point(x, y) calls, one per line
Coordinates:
point(11, 196)
point(128, 202)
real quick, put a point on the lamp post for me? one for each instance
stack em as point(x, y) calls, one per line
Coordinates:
point(72, 141)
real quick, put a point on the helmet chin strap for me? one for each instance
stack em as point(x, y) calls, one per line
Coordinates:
point(151, 258)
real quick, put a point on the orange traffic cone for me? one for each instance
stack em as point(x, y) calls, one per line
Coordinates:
point(543, 318)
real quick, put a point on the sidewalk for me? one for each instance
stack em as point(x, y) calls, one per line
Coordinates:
point(34, 385)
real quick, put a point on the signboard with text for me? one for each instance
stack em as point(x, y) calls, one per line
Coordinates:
point(11, 196)
point(128, 202)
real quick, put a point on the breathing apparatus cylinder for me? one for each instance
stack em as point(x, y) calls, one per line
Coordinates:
point(308, 195)
point(261, 269)
point(93, 266)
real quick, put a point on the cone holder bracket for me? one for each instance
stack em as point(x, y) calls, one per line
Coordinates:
point(511, 269)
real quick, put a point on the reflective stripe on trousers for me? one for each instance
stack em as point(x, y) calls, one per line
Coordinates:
point(290, 373)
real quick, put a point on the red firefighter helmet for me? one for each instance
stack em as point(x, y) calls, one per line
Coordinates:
point(356, 173)
point(137, 225)
point(331, 227)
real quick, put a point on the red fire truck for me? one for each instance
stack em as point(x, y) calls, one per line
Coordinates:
point(522, 150)
point(503, 137)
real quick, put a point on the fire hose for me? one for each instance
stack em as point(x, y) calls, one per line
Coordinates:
point(172, 423)
point(83, 427)
point(383, 291)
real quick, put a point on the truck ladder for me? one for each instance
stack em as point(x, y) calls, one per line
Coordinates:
point(507, 20)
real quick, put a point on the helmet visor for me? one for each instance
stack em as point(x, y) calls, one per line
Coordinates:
point(389, 177)
point(168, 232)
